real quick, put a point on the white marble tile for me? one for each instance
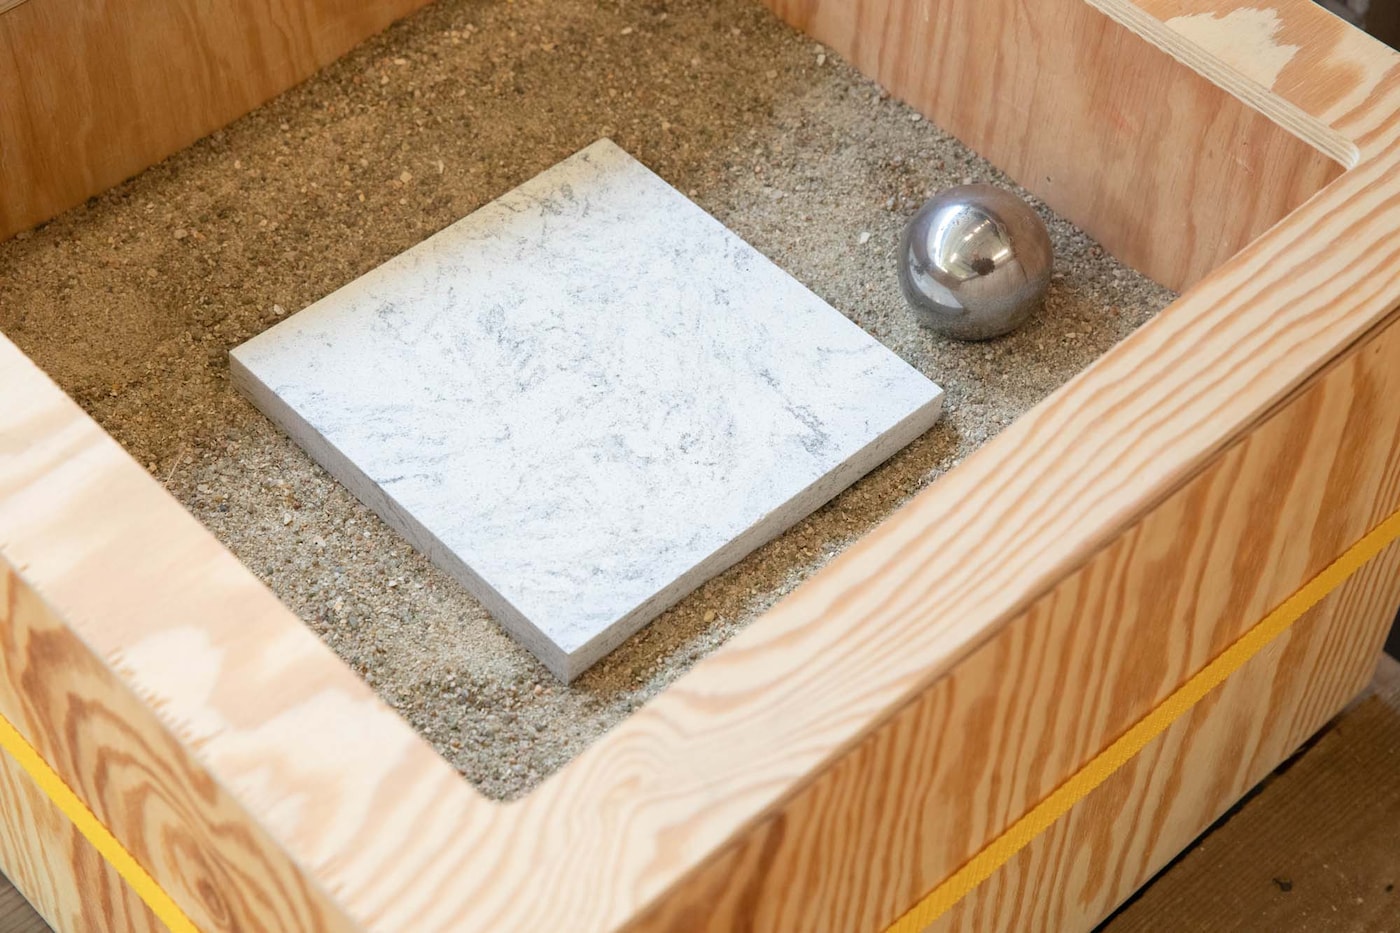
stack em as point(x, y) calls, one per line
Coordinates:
point(585, 399)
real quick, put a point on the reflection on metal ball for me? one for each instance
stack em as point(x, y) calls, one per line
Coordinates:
point(975, 262)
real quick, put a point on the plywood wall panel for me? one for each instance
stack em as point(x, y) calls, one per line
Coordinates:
point(1169, 171)
point(983, 745)
point(95, 91)
point(308, 796)
point(59, 871)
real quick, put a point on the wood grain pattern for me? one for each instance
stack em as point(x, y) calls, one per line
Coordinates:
point(1168, 171)
point(305, 797)
point(16, 916)
point(984, 744)
point(58, 870)
point(127, 754)
point(1131, 826)
point(1291, 58)
point(97, 91)
point(1314, 850)
point(1070, 475)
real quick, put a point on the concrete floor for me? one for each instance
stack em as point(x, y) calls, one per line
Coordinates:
point(16, 916)
point(1314, 849)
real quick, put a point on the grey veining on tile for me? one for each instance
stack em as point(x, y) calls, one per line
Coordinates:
point(585, 399)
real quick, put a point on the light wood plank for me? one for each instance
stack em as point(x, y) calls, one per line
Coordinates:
point(1052, 688)
point(312, 802)
point(95, 91)
point(1290, 58)
point(1136, 822)
point(856, 625)
point(1314, 851)
point(1170, 172)
point(60, 873)
point(134, 760)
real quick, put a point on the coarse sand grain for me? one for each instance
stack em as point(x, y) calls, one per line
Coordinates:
point(132, 302)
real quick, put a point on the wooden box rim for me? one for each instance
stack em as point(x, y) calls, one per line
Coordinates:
point(396, 839)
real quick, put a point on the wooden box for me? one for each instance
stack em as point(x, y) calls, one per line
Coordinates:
point(835, 762)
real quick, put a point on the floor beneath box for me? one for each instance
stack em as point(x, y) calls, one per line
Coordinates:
point(133, 301)
point(16, 916)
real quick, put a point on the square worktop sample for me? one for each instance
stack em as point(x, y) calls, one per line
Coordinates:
point(585, 399)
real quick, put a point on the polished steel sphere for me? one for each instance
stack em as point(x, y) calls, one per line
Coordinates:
point(975, 262)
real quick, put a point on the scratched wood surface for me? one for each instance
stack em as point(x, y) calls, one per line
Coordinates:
point(223, 732)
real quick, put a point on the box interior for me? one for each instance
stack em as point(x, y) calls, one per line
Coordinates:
point(132, 301)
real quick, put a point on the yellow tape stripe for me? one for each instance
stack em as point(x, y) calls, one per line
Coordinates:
point(87, 823)
point(1099, 768)
point(942, 898)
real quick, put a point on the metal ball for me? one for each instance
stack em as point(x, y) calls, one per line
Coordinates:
point(975, 262)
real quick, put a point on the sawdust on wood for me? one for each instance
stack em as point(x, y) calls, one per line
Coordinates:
point(133, 301)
